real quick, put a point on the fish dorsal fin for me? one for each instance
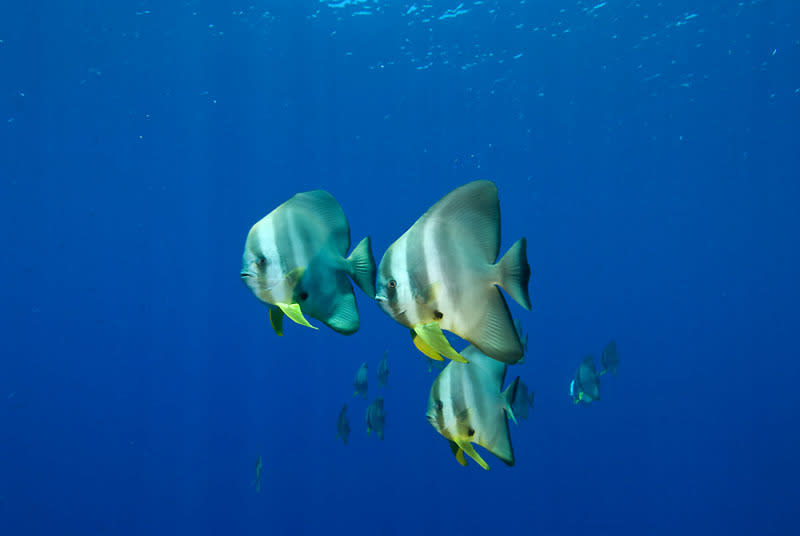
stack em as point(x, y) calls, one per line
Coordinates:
point(491, 368)
point(322, 207)
point(474, 210)
point(292, 310)
point(433, 336)
point(276, 319)
point(495, 335)
point(509, 395)
point(423, 347)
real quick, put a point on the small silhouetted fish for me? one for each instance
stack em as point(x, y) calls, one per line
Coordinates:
point(383, 371)
point(375, 417)
point(259, 467)
point(585, 388)
point(523, 402)
point(343, 425)
point(443, 274)
point(360, 381)
point(610, 358)
point(467, 405)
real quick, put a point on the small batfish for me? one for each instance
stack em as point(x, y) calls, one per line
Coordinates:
point(343, 425)
point(383, 371)
point(375, 417)
point(360, 382)
point(294, 260)
point(443, 274)
point(523, 402)
point(259, 467)
point(467, 405)
point(610, 359)
point(585, 388)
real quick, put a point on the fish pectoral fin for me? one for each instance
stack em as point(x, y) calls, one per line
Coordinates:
point(433, 336)
point(276, 320)
point(294, 276)
point(466, 447)
point(430, 293)
point(292, 310)
point(423, 347)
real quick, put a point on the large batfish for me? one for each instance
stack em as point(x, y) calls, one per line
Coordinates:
point(442, 274)
point(294, 260)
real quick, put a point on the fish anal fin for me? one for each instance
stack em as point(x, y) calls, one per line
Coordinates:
point(292, 310)
point(433, 336)
point(276, 320)
point(495, 335)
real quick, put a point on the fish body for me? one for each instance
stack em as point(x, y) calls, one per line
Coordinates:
point(383, 371)
point(259, 467)
point(443, 274)
point(523, 402)
point(360, 381)
point(375, 417)
point(585, 388)
point(294, 261)
point(467, 405)
point(610, 359)
point(343, 425)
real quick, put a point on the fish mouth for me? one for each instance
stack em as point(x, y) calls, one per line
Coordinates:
point(380, 298)
point(245, 275)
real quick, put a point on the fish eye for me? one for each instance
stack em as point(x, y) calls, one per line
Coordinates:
point(470, 432)
point(392, 283)
point(303, 295)
point(439, 405)
point(262, 261)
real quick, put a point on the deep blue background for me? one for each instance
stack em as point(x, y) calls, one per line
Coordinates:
point(650, 157)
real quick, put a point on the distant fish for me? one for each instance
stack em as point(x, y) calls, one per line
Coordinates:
point(523, 402)
point(375, 417)
point(585, 388)
point(360, 382)
point(435, 364)
point(610, 359)
point(294, 260)
point(343, 425)
point(383, 371)
point(441, 275)
point(467, 405)
point(259, 467)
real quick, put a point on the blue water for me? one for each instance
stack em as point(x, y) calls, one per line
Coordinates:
point(647, 150)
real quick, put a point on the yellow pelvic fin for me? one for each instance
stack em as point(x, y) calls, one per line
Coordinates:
point(432, 335)
point(423, 347)
point(460, 457)
point(292, 310)
point(467, 447)
point(276, 319)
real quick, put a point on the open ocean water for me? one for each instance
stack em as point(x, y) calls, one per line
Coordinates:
point(647, 149)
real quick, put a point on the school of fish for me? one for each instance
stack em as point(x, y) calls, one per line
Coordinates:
point(442, 275)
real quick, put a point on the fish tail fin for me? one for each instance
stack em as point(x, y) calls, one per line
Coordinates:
point(509, 395)
point(361, 267)
point(515, 273)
